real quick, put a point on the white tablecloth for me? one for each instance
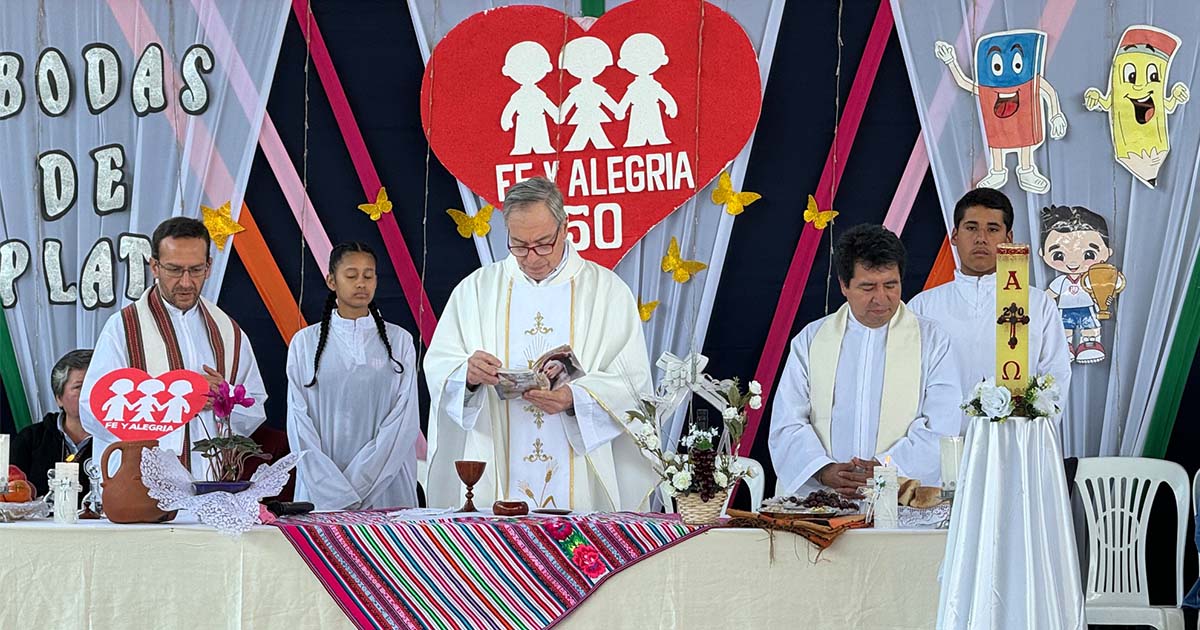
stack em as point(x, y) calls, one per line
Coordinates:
point(1011, 560)
point(98, 575)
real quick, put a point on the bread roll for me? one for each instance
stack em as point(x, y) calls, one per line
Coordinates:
point(926, 497)
point(908, 488)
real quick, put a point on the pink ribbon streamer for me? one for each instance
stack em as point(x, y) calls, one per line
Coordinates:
point(810, 237)
point(406, 272)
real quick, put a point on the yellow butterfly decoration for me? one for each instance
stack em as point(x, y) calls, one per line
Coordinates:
point(479, 225)
point(819, 218)
point(380, 207)
point(734, 202)
point(646, 309)
point(681, 270)
point(220, 224)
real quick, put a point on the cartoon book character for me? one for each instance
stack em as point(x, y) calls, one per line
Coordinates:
point(1075, 244)
point(1136, 91)
point(1010, 87)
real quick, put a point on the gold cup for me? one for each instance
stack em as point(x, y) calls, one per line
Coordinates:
point(1102, 280)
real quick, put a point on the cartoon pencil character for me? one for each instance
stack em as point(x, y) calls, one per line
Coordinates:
point(527, 63)
point(1010, 87)
point(1136, 91)
point(1075, 244)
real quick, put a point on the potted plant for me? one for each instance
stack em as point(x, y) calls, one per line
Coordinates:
point(227, 453)
point(700, 477)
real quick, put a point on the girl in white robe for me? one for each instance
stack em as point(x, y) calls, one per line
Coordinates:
point(352, 397)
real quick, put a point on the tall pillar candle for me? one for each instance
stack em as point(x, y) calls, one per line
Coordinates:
point(886, 485)
point(3, 461)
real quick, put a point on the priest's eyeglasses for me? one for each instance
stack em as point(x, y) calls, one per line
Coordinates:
point(175, 271)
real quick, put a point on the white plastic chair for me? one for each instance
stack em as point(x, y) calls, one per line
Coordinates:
point(756, 484)
point(1117, 495)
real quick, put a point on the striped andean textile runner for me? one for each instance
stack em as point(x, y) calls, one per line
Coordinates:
point(472, 572)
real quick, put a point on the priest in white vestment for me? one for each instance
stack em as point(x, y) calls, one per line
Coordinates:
point(869, 383)
point(170, 328)
point(966, 307)
point(566, 448)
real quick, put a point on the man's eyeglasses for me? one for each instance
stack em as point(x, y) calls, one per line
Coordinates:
point(175, 271)
point(544, 249)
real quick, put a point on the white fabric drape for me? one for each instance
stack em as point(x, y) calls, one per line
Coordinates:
point(680, 323)
point(1011, 560)
point(173, 162)
point(1153, 232)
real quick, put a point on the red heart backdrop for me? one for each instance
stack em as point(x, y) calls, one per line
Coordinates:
point(133, 405)
point(614, 195)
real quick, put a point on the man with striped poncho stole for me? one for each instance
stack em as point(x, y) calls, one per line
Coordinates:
point(172, 328)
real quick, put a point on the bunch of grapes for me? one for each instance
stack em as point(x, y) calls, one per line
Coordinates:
point(704, 468)
point(821, 498)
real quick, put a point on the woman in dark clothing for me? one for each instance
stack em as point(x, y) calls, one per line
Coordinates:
point(59, 437)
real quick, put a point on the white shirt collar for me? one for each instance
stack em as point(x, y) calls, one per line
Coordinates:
point(557, 270)
point(366, 322)
point(175, 311)
point(74, 448)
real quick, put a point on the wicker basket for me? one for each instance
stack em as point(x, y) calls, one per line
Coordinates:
point(694, 511)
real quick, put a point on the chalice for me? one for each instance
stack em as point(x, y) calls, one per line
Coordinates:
point(469, 472)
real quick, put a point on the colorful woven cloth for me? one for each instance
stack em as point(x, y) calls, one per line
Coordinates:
point(474, 572)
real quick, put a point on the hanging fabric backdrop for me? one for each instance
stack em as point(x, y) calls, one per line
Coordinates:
point(115, 115)
point(676, 313)
point(1087, 106)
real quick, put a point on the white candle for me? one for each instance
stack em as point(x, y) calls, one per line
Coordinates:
point(67, 470)
point(3, 460)
point(951, 451)
point(887, 496)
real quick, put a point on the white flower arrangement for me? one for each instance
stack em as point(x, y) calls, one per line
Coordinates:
point(1039, 400)
point(711, 450)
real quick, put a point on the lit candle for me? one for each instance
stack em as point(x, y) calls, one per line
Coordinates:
point(67, 470)
point(887, 495)
point(3, 460)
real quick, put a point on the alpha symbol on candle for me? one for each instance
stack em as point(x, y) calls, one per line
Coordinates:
point(1012, 316)
point(1016, 371)
point(1013, 282)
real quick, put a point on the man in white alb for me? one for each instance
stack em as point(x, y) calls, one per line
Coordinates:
point(869, 382)
point(566, 448)
point(966, 308)
point(172, 328)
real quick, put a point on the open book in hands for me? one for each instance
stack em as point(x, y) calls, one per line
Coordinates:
point(552, 370)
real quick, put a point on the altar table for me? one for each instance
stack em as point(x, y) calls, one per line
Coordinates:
point(99, 575)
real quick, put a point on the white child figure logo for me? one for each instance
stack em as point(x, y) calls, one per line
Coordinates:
point(147, 404)
point(585, 58)
point(642, 55)
point(178, 404)
point(114, 408)
point(527, 63)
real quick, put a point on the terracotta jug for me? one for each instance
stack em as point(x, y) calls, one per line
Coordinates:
point(126, 499)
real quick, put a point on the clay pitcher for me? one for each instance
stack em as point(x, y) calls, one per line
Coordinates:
point(126, 499)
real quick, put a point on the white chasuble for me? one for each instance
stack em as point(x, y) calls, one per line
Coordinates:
point(540, 469)
point(599, 467)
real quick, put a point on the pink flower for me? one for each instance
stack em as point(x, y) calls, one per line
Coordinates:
point(588, 560)
point(558, 529)
point(224, 401)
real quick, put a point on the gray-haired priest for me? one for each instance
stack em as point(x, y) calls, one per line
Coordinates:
point(565, 447)
point(868, 382)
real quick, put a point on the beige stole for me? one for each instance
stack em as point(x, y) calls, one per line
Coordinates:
point(901, 375)
point(152, 347)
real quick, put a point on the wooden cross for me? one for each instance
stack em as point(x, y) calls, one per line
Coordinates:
point(1012, 316)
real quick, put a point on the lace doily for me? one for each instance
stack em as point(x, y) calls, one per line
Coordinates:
point(169, 482)
point(936, 517)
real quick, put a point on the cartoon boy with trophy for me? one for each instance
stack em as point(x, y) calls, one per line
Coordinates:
point(1075, 244)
